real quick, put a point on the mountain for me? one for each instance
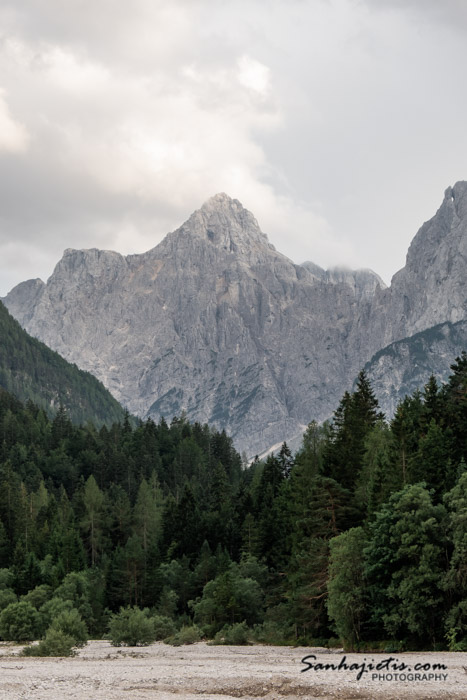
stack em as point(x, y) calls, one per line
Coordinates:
point(431, 288)
point(215, 322)
point(32, 371)
point(406, 365)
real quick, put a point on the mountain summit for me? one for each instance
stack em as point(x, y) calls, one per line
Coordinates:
point(225, 222)
point(215, 322)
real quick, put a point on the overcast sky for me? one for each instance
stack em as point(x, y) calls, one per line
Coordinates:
point(338, 123)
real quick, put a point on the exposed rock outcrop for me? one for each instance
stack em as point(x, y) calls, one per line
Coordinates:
point(406, 365)
point(214, 321)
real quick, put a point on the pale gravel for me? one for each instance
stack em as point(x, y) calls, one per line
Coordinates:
point(200, 671)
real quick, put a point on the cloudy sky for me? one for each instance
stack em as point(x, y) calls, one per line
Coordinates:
point(338, 123)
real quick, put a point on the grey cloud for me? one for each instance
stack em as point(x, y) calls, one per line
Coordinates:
point(361, 132)
point(452, 12)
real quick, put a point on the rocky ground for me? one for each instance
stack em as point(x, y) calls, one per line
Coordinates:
point(160, 672)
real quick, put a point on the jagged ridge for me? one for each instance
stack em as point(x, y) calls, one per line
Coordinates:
point(216, 322)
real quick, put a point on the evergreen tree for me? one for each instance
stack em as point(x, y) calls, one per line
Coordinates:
point(93, 519)
point(456, 577)
point(346, 585)
point(431, 462)
point(355, 417)
point(405, 561)
point(455, 398)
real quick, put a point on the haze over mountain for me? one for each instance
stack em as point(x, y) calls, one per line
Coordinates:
point(215, 322)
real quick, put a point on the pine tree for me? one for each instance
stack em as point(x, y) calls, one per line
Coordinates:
point(93, 519)
point(455, 397)
point(354, 418)
point(405, 429)
point(286, 460)
point(431, 463)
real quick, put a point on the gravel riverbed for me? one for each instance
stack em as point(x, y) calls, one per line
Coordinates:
point(200, 671)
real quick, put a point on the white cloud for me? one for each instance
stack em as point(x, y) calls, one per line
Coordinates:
point(334, 122)
point(14, 138)
point(165, 139)
point(68, 72)
point(254, 75)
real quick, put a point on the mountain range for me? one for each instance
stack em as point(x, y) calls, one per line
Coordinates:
point(216, 323)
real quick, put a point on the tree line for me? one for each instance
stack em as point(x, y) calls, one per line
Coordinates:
point(359, 538)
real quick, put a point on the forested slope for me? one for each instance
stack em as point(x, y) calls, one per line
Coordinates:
point(360, 537)
point(31, 371)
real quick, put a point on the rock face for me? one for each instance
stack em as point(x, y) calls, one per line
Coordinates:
point(431, 288)
point(406, 365)
point(215, 322)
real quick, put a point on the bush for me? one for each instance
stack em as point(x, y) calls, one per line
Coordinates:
point(55, 643)
point(77, 588)
point(131, 626)
point(20, 622)
point(52, 609)
point(272, 632)
point(7, 596)
point(237, 635)
point(227, 599)
point(38, 596)
point(72, 625)
point(163, 627)
point(6, 578)
point(187, 635)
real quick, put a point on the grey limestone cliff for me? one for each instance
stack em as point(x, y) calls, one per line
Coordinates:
point(214, 321)
point(431, 288)
point(406, 365)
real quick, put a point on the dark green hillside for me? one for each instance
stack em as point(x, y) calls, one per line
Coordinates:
point(30, 370)
point(158, 531)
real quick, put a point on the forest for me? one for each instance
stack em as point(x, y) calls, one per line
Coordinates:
point(145, 531)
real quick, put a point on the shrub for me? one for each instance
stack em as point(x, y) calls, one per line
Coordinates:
point(163, 627)
point(187, 635)
point(20, 622)
point(55, 643)
point(131, 626)
point(233, 634)
point(72, 625)
point(6, 578)
point(52, 609)
point(77, 588)
point(38, 596)
point(227, 599)
point(272, 632)
point(7, 596)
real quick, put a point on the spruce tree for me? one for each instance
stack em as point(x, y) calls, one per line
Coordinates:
point(354, 418)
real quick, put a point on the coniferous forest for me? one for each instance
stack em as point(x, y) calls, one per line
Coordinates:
point(159, 531)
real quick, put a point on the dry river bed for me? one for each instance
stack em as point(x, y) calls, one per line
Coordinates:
point(204, 672)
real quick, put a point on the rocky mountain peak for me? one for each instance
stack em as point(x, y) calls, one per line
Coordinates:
point(443, 236)
point(457, 195)
point(213, 321)
point(23, 298)
point(226, 223)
